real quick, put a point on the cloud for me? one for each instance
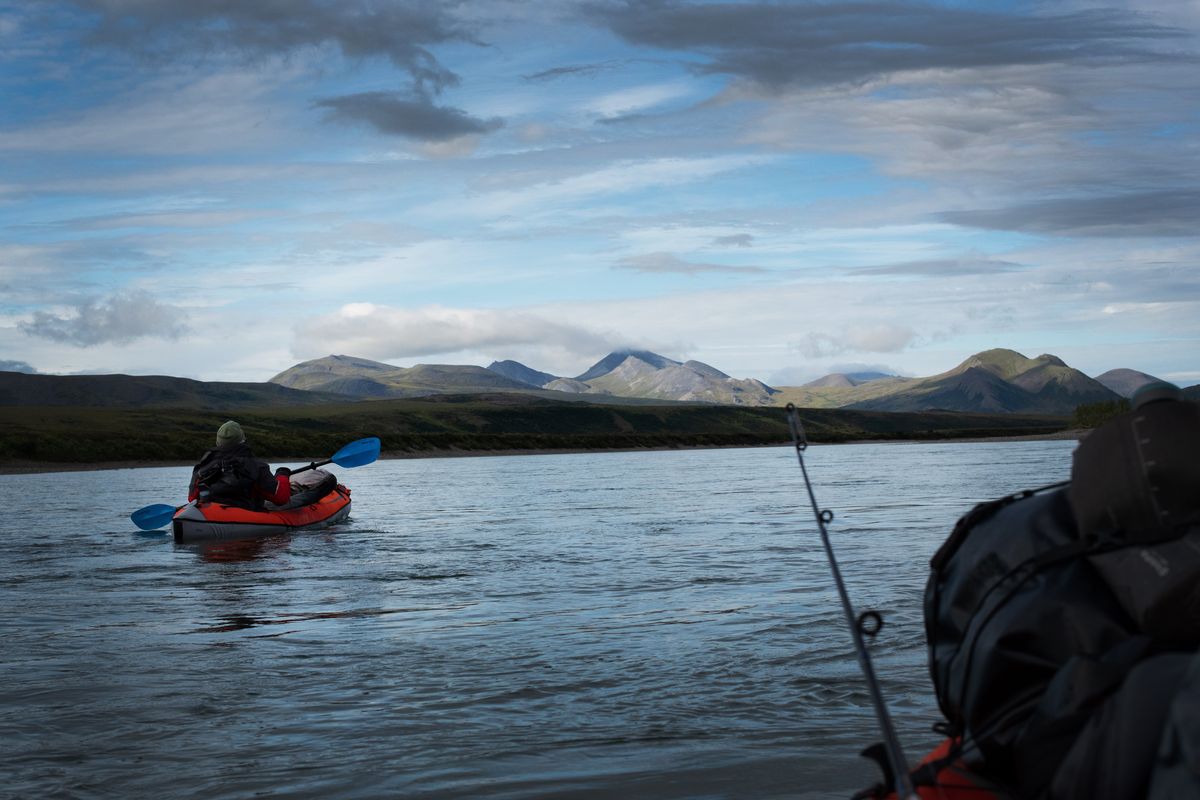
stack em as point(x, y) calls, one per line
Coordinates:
point(192, 218)
point(413, 117)
point(555, 190)
point(168, 114)
point(1169, 212)
point(791, 376)
point(625, 102)
point(16, 366)
point(668, 263)
point(734, 240)
point(576, 70)
point(399, 31)
point(881, 338)
point(381, 332)
point(119, 319)
point(989, 102)
point(780, 46)
point(942, 268)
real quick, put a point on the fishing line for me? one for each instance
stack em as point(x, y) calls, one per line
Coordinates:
point(867, 624)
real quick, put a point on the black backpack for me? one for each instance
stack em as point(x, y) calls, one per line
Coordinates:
point(229, 476)
point(1062, 622)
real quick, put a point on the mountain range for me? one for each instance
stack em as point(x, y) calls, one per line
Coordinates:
point(638, 373)
point(993, 381)
point(621, 376)
point(362, 379)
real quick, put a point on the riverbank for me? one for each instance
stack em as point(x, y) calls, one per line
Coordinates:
point(17, 467)
point(33, 439)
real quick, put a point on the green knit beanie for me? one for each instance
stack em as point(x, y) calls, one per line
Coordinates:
point(230, 433)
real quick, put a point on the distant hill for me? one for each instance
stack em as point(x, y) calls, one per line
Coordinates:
point(571, 386)
point(360, 377)
point(867, 377)
point(1192, 393)
point(997, 381)
point(973, 389)
point(836, 380)
point(1125, 381)
point(613, 360)
point(649, 375)
point(519, 372)
point(994, 381)
point(847, 379)
point(148, 391)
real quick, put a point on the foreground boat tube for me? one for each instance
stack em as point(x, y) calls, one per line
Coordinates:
point(206, 522)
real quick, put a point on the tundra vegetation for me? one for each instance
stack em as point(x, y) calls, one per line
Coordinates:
point(452, 424)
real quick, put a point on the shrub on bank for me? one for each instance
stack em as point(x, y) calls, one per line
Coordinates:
point(1093, 415)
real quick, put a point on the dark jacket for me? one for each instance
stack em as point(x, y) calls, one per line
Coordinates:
point(232, 475)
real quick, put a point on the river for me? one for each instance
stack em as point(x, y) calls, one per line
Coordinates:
point(607, 625)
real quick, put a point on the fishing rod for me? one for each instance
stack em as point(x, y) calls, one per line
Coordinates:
point(868, 623)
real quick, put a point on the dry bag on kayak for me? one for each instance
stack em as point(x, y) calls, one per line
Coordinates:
point(307, 488)
point(1063, 622)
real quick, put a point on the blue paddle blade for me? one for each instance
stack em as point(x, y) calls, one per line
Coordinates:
point(153, 517)
point(356, 454)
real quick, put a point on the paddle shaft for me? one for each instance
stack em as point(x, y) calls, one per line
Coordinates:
point(313, 465)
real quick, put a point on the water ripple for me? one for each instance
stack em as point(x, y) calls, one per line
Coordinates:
point(657, 625)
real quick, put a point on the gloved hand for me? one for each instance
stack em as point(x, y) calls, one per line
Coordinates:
point(282, 471)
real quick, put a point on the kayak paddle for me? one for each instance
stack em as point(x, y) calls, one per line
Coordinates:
point(355, 454)
point(153, 517)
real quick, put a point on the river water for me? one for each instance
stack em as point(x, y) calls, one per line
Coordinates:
point(615, 625)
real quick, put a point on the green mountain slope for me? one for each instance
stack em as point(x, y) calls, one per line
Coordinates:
point(519, 372)
point(973, 389)
point(360, 377)
point(145, 391)
point(993, 381)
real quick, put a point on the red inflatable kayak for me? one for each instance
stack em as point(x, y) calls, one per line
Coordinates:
point(203, 522)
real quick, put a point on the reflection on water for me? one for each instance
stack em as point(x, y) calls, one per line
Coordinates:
point(239, 622)
point(650, 625)
point(238, 549)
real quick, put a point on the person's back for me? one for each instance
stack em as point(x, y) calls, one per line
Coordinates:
point(230, 474)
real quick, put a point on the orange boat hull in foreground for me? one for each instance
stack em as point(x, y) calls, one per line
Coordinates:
point(950, 778)
point(207, 522)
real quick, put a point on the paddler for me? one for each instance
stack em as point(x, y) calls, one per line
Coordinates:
point(230, 474)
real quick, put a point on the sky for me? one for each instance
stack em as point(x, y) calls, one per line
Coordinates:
point(219, 189)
